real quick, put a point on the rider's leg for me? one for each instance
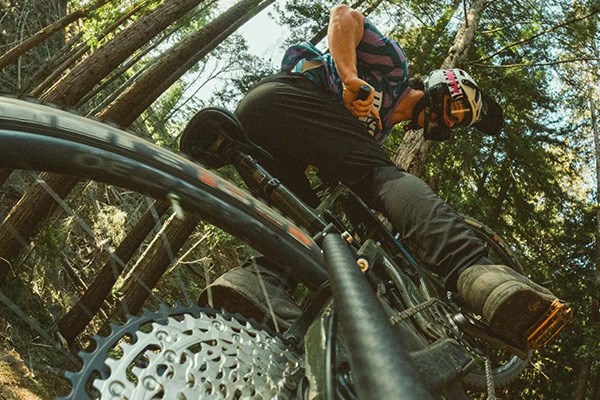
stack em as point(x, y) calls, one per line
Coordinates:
point(301, 124)
point(437, 235)
point(441, 239)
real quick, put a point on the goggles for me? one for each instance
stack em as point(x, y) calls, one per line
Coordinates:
point(458, 111)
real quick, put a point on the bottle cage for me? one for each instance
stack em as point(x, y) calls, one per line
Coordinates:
point(211, 132)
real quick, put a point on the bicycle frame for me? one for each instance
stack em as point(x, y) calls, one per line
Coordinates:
point(225, 138)
point(357, 307)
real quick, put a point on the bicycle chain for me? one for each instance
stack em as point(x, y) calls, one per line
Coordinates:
point(443, 321)
point(452, 332)
point(405, 314)
point(489, 377)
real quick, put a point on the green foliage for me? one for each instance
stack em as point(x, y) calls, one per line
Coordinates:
point(533, 184)
point(249, 70)
point(101, 20)
point(306, 17)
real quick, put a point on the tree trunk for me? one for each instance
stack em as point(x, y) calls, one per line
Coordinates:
point(51, 66)
point(36, 206)
point(184, 56)
point(71, 88)
point(431, 37)
point(65, 63)
point(596, 390)
point(413, 151)
point(583, 377)
point(116, 74)
point(28, 44)
point(69, 60)
point(596, 134)
point(22, 221)
point(154, 263)
point(75, 321)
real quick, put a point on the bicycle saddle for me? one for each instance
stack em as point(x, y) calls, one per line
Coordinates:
point(211, 132)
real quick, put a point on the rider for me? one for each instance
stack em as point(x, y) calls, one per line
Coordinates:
point(309, 114)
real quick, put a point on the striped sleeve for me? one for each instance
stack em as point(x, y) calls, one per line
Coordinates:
point(381, 53)
point(296, 53)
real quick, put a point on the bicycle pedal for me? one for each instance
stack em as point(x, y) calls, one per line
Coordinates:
point(476, 329)
point(552, 322)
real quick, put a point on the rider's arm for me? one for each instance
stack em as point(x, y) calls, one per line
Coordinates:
point(345, 31)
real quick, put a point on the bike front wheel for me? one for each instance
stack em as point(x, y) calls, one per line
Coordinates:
point(131, 226)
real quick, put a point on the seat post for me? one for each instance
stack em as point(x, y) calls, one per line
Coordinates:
point(274, 191)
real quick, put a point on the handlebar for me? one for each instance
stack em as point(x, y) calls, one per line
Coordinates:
point(364, 92)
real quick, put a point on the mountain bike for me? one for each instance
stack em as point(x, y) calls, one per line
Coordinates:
point(375, 324)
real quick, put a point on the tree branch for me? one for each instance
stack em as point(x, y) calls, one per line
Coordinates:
point(531, 38)
point(546, 64)
point(29, 43)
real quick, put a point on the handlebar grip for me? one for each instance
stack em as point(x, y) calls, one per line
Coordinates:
point(364, 92)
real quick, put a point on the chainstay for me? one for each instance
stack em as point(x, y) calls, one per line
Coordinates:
point(410, 312)
point(443, 319)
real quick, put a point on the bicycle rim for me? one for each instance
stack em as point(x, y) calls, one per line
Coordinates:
point(127, 179)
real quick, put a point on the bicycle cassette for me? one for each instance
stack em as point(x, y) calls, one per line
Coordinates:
point(188, 353)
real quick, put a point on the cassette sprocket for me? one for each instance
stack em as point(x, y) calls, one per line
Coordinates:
point(188, 353)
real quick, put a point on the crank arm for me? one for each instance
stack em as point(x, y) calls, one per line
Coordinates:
point(481, 331)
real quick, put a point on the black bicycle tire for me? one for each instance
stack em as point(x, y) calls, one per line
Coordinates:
point(490, 237)
point(43, 138)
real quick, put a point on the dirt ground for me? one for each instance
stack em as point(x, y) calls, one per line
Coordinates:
point(18, 382)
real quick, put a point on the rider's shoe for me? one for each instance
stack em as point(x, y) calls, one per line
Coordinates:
point(513, 305)
point(256, 292)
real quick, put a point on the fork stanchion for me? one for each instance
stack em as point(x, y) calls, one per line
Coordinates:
point(381, 366)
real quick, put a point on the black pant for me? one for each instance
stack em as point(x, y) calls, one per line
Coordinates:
point(301, 124)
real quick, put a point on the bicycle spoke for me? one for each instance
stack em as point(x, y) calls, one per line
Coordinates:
point(81, 250)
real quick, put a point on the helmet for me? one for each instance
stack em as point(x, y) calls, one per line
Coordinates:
point(453, 94)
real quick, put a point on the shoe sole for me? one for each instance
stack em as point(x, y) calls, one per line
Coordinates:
point(232, 301)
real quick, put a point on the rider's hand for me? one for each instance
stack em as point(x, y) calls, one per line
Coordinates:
point(360, 108)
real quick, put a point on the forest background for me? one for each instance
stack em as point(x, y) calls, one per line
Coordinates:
point(535, 184)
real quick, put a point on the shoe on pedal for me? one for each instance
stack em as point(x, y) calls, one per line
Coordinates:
point(513, 305)
point(240, 290)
